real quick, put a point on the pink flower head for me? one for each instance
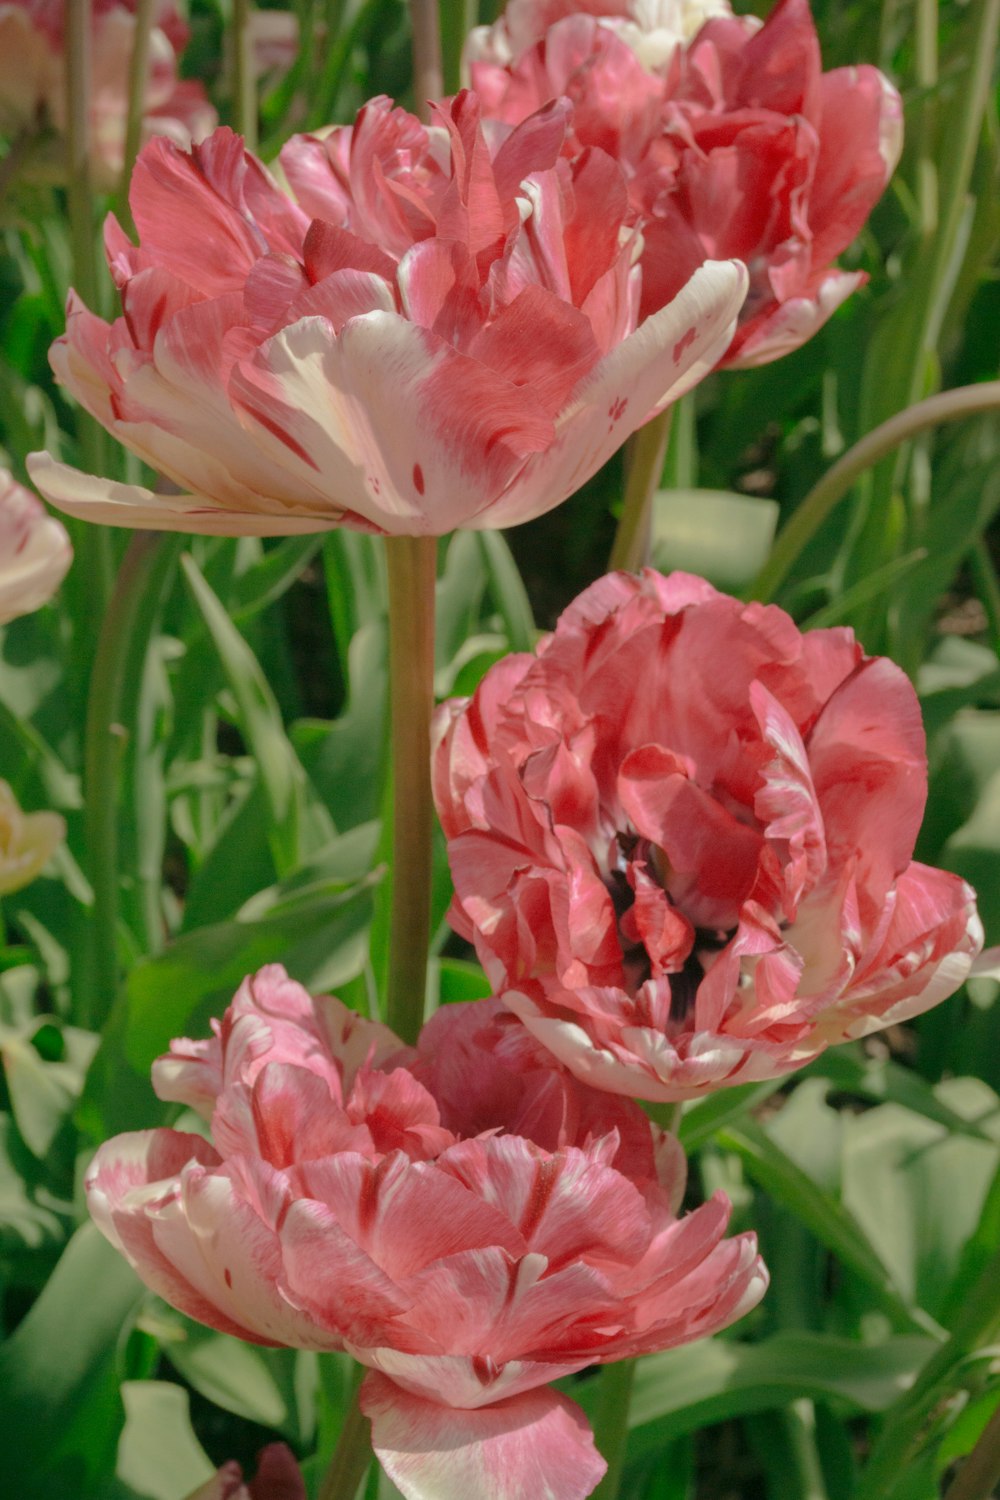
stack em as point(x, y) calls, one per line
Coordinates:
point(652, 29)
point(35, 552)
point(278, 1477)
point(441, 332)
point(741, 147)
point(337, 1210)
point(681, 839)
point(32, 77)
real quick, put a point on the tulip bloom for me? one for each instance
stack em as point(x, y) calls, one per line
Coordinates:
point(35, 552)
point(278, 1477)
point(33, 88)
point(741, 146)
point(441, 332)
point(337, 1210)
point(27, 842)
point(652, 29)
point(681, 840)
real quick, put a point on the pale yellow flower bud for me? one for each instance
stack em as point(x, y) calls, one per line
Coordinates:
point(27, 841)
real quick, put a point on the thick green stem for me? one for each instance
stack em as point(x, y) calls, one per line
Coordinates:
point(351, 1458)
point(412, 569)
point(979, 1475)
point(648, 452)
point(428, 69)
point(79, 188)
point(611, 1424)
point(823, 498)
point(906, 1422)
point(927, 76)
point(244, 88)
point(138, 75)
point(124, 630)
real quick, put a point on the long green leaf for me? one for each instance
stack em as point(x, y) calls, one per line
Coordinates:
point(827, 1219)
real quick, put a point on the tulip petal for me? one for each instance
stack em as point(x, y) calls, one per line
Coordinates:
point(91, 498)
point(537, 1444)
point(667, 355)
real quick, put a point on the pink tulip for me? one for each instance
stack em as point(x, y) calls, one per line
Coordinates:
point(440, 333)
point(742, 146)
point(681, 840)
point(278, 1477)
point(652, 29)
point(337, 1210)
point(33, 88)
point(35, 552)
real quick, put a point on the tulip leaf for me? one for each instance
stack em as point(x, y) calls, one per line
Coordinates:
point(30, 1218)
point(59, 1383)
point(830, 1221)
point(321, 940)
point(704, 1117)
point(266, 1386)
point(159, 1456)
point(344, 760)
point(723, 536)
point(917, 1188)
point(508, 590)
point(294, 824)
point(684, 1390)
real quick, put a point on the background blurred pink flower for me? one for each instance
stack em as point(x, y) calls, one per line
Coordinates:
point(681, 840)
point(335, 1210)
point(33, 88)
point(442, 332)
point(652, 29)
point(35, 552)
point(742, 146)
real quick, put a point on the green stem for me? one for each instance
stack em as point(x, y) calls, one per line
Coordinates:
point(611, 1424)
point(926, 69)
point(138, 75)
point(646, 460)
point(823, 498)
point(901, 1439)
point(244, 88)
point(428, 69)
point(979, 1475)
point(79, 188)
point(126, 626)
point(412, 569)
point(351, 1458)
point(987, 587)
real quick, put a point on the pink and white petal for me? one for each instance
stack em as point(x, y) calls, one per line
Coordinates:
point(929, 949)
point(536, 1444)
point(586, 1058)
point(458, 1380)
point(565, 1205)
point(231, 1257)
point(132, 1180)
point(791, 324)
point(405, 432)
point(667, 355)
point(91, 498)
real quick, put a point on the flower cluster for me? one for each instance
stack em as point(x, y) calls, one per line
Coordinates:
point(739, 145)
point(681, 837)
point(470, 1222)
point(440, 330)
point(33, 88)
point(680, 832)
